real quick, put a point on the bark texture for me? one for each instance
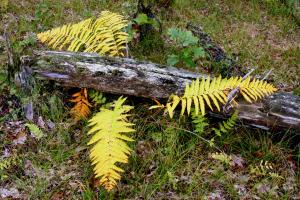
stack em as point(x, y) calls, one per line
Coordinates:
point(145, 79)
point(226, 65)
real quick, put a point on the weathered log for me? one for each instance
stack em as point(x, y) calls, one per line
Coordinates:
point(144, 79)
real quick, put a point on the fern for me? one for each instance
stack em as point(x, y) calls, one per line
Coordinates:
point(265, 168)
point(226, 126)
point(215, 92)
point(103, 35)
point(6, 163)
point(81, 110)
point(109, 147)
point(35, 130)
point(222, 157)
point(199, 122)
point(97, 97)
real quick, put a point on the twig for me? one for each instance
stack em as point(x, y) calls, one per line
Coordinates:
point(8, 48)
point(266, 76)
point(127, 50)
point(202, 138)
point(233, 93)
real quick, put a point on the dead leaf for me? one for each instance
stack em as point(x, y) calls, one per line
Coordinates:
point(258, 154)
point(21, 138)
point(50, 124)
point(41, 122)
point(12, 192)
point(57, 196)
point(29, 111)
point(237, 161)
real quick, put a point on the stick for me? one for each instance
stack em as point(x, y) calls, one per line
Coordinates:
point(233, 93)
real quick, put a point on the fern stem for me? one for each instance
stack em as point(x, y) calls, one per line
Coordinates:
point(202, 138)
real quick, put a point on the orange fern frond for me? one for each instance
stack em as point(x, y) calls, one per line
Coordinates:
point(82, 106)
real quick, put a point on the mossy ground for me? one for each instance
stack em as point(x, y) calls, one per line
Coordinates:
point(167, 162)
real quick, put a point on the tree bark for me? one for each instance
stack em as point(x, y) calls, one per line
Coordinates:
point(227, 66)
point(144, 79)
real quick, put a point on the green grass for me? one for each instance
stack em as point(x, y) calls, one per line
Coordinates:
point(167, 162)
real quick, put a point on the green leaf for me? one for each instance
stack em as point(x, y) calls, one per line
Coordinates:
point(188, 60)
point(183, 38)
point(142, 19)
point(198, 52)
point(174, 33)
point(172, 60)
point(97, 97)
point(188, 39)
point(35, 130)
point(200, 123)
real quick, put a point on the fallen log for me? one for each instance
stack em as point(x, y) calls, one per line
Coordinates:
point(145, 79)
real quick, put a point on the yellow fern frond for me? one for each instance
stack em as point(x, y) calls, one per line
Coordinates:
point(214, 92)
point(103, 35)
point(82, 106)
point(109, 128)
point(255, 89)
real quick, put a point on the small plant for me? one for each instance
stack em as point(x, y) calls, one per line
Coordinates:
point(187, 44)
point(222, 157)
point(142, 19)
point(30, 40)
point(6, 163)
point(35, 130)
point(42, 15)
point(265, 168)
point(226, 126)
point(81, 110)
point(200, 123)
point(97, 97)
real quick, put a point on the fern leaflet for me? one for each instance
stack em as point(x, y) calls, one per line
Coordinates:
point(97, 97)
point(103, 35)
point(109, 128)
point(265, 168)
point(35, 130)
point(200, 123)
point(82, 106)
point(222, 157)
point(226, 126)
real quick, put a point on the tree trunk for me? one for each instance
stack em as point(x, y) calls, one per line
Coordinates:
point(144, 79)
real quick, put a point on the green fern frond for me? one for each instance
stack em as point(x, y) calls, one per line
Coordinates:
point(200, 123)
point(226, 126)
point(97, 97)
point(109, 128)
point(214, 93)
point(103, 35)
point(35, 130)
point(222, 157)
point(6, 163)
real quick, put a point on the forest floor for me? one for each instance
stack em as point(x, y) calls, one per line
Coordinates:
point(167, 162)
